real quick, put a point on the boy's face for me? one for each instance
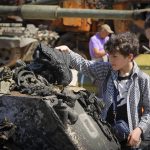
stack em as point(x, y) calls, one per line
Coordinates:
point(120, 62)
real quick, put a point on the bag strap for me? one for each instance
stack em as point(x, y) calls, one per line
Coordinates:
point(106, 80)
point(115, 103)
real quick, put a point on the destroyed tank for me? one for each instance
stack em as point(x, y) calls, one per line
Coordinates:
point(59, 120)
point(18, 42)
point(43, 114)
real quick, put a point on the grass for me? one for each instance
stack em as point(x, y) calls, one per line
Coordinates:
point(143, 62)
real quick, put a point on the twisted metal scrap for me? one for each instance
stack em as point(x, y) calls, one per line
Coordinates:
point(27, 82)
point(5, 80)
point(7, 129)
point(55, 63)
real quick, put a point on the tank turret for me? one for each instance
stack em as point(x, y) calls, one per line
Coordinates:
point(47, 12)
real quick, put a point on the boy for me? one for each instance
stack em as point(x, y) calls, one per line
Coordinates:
point(120, 75)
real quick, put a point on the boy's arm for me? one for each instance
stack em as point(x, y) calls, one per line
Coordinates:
point(92, 69)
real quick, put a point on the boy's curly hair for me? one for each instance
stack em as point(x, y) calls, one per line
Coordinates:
point(124, 43)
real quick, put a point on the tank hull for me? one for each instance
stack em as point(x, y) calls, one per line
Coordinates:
point(39, 127)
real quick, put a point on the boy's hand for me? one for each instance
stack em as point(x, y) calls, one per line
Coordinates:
point(63, 48)
point(134, 137)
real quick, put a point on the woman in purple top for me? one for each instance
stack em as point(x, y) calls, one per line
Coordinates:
point(97, 41)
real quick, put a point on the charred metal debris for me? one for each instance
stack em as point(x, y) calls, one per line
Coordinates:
point(48, 74)
point(44, 76)
point(7, 129)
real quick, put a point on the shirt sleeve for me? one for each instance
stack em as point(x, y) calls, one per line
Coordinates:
point(93, 69)
point(144, 123)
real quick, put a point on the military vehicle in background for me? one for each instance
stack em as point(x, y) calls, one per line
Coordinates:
point(74, 27)
point(40, 122)
point(75, 30)
point(19, 42)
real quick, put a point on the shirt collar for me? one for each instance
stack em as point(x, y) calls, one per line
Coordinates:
point(135, 71)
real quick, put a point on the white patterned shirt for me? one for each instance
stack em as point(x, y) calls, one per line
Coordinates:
point(138, 93)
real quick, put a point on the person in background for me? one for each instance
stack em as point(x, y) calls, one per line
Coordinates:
point(97, 41)
point(120, 79)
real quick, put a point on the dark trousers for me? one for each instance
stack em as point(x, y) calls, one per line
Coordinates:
point(145, 145)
